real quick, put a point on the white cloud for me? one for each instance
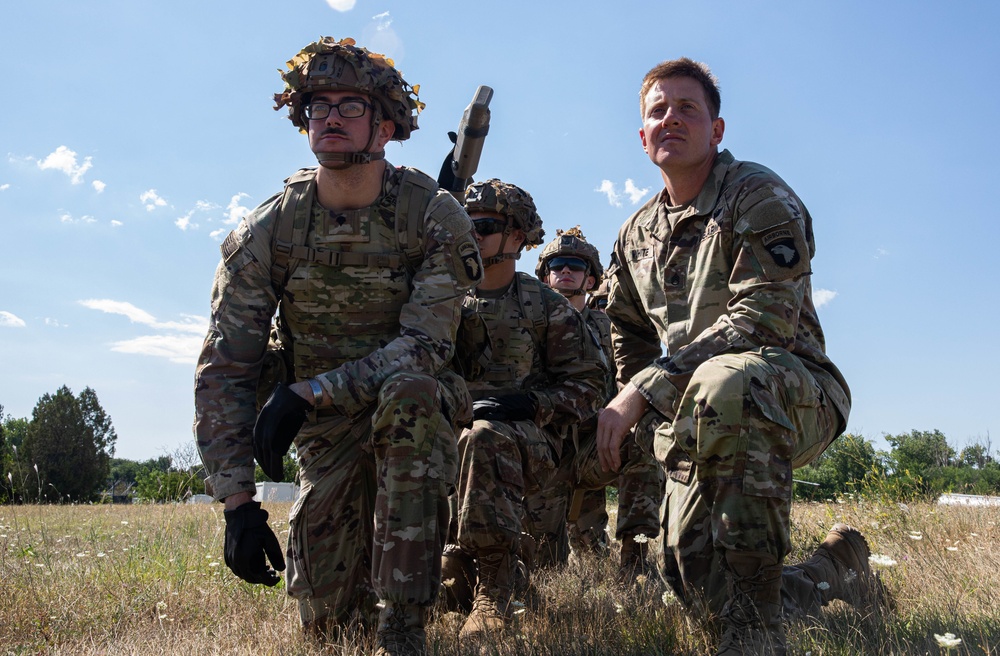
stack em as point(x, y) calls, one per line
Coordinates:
point(823, 296)
point(64, 159)
point(152, 200)
point(341, 5)
point(98, 185)
point(608, 189)
point(68, 218)
point(634, 194)
point(184, 222)
point(134, 314)
point(235, 211)
point(182, 349)
point(216, 234)
point(115, 223)
point(5, 186)
point(8, 320)
point(177, 341)
point(54, 323)
point(380, 37)
point(880, 253)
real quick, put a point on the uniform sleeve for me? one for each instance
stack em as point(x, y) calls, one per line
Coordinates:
point(772, 251)
point(575, 365)
point(243, 304)
point(429, 319)
point(635, 341)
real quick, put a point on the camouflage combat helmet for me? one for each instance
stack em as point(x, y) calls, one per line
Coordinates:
point(599, 297)
point(332, 65)
point(571, 243)
point(512, 202)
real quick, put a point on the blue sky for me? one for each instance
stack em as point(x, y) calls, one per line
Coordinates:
point(135, 135)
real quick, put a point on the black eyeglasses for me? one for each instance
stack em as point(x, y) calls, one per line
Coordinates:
point(347, 109)
point(487, 227)
point(573, 263)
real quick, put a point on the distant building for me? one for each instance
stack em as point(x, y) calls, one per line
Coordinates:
point(967, 500)
point(276, 492)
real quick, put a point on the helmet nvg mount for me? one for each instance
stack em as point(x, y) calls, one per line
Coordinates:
point(571, 243)
point(514, 204)
point(332, 65)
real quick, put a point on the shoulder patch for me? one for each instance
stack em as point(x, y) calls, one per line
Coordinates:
point(780, 243)
point(468, 255)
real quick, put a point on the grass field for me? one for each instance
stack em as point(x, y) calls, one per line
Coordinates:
point(150, 579)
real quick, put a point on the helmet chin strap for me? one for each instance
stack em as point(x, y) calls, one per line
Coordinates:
point(342, 161)
point(500, 255)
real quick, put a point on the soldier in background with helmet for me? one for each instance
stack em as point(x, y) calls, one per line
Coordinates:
point(574, 498)
point(545, 373)
point(367, 265)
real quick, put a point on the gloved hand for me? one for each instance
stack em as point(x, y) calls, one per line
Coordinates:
point(510, 407)
point(277, 425)
point(248, 538)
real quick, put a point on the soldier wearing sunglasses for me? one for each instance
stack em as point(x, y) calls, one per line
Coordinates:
point(544, 375)
point(571, 512)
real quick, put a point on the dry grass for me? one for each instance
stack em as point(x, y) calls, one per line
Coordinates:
point(150, 580)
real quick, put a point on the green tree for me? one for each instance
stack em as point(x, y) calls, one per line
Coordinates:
point(69, 444)
point(919, 451)
point(847, 466)
point(13, 472)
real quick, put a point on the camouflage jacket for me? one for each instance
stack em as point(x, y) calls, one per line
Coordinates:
point(352, 319)
point(548, 352)
point(600, 326)
point(728, 272)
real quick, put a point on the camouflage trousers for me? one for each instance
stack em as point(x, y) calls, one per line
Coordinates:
point(557, 524)
point(500, 463)
point(743, 423)
point(371, 520)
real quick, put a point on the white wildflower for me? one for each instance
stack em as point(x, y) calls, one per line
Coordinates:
point(948, 640)
point(642, 538)
point(823, 585)
point(916, 535)
point(880, 560)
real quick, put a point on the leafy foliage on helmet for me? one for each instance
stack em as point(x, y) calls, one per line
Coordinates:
point(510, 201)
point(571, 243)
point(331, 65)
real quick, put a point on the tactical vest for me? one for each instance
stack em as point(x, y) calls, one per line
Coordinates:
point(517, 324)
point(600, 324)
point(342, 280)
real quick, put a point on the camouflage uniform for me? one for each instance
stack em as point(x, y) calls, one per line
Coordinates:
point(723, 283)
point(376, 334)
point(560, 363)
point(556, 524)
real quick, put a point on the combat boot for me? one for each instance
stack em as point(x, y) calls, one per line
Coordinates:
point(458, 578)
point(751, 618)
point(492, 607)
point(840, 570)
point(401, 631)
point(633, 559)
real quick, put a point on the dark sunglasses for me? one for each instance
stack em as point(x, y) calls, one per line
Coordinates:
point(573, 263)
point(487, 227)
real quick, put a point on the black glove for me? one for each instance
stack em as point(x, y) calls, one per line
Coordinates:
point(446, 178)
point(510, 407)
point(277, 425)
point(248, 538)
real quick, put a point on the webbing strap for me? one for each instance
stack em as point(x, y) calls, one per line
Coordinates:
point(296, 205)
point(415, 193)
point(338, 258)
